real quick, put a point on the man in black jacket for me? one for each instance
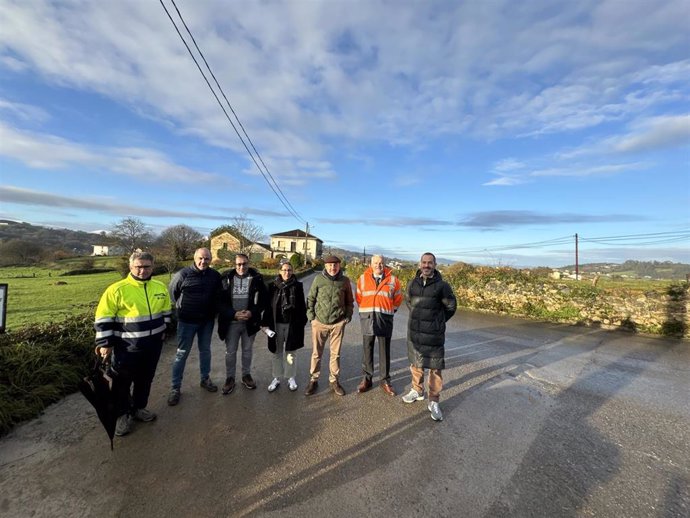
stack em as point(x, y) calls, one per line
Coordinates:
point(243, 298)
point(194, 292)
point(431, 303)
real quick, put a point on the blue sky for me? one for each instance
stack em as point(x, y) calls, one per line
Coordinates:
point(462, 128)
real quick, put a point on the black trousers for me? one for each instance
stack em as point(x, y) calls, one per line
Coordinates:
point(135, 371)
point(384, 357)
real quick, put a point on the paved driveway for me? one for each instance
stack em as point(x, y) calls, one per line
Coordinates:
point(540, 420)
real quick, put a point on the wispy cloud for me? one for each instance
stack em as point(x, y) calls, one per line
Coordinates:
point(489, 220)
point(495, 220)
point(42, 151)
point(643, 135)
point(506, 181)
point(102, 204)
point(388, 222)
point(23, 112)
point(654, 134)
point(589, 170)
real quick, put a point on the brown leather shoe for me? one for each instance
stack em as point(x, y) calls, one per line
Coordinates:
point(335, 386)
point(388, 388)
point(364, 385)
point(311, 388)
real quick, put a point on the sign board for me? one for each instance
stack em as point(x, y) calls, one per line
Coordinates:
point(3, 306)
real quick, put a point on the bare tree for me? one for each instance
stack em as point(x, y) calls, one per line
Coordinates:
point(131, 233)
point(245, 230)
point(181, 241)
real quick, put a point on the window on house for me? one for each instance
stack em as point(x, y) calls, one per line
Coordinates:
point(293, 247)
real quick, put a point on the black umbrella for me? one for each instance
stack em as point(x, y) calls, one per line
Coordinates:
point(97, 387)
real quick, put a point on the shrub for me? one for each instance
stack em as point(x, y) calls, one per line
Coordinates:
point(270, 263)
point(297, 260)
point(87, 263)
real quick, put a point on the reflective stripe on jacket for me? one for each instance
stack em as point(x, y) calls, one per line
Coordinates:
point(132, 313)
point(384, 298)
point(378, 304)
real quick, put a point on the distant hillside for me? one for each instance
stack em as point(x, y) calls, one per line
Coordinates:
point(639, 269)
point(349, 255)
point(73, 241)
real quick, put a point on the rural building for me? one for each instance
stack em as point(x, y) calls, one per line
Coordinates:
point(227, 241)
point(286, 244)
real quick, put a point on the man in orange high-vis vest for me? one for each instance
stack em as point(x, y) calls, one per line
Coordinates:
point(378, 296)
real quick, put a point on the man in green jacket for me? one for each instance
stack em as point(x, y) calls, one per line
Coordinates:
point(329, 307)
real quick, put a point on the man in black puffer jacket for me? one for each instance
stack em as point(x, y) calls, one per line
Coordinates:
point(431, 303)
point(194, 293)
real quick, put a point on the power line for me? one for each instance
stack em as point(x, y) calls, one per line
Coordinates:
point(276, 190)
point(655, 238)
point(294, 212)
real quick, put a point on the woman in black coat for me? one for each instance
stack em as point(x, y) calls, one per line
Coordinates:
point(287, 316)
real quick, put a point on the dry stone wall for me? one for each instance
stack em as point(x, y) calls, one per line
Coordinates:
point(656, 312)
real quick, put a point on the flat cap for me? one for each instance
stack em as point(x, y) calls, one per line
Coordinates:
point(331, 259)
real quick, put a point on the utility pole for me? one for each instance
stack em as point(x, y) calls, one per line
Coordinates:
point(577, 260)
point(364, 255)
point(306, 247)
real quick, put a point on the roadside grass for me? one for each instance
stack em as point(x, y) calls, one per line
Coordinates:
point(40, 364)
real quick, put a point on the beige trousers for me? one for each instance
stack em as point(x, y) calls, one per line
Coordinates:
point(319, 334)
point(435, 382)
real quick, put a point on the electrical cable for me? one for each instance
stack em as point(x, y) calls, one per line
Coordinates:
point(654, 238)
point(294, 212)
point(284, 202)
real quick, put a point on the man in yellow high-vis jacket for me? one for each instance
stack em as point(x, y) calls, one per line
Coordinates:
point(132, 320)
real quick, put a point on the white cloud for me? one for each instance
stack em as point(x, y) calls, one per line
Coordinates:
point(642, 135)
point(506, 181)
point(23, 112)
point(654, 134)
point(507, 165)
point(473, 70)
point(43, 151)
point(588, 170)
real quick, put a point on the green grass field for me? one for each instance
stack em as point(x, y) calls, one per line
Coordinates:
point(39, 294)
point(45, 299)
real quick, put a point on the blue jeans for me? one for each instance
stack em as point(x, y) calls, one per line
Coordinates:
point(185, 339)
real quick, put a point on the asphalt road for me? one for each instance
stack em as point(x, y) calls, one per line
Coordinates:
point(540, 420)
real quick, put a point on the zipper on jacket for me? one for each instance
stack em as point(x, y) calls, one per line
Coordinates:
point(148, 303)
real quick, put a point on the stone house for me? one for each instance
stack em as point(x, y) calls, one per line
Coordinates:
point(227, 241)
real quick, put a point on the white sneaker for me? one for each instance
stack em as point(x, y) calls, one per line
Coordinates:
point(144, 415)
point(413, 396)
point(435, 410)
point(124, 425)
point(274, 385)
point(292, 384)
